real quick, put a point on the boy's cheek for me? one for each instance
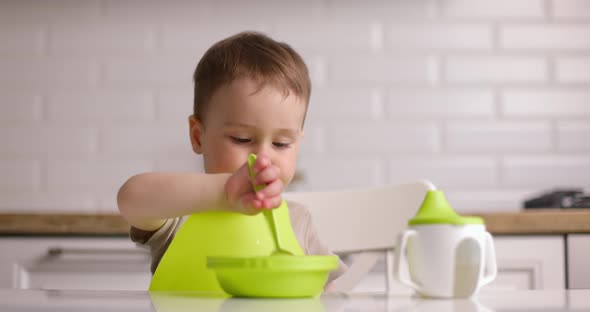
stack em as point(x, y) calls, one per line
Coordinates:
point(224, 161)
point(287, 175)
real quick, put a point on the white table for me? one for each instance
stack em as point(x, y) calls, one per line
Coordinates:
point(131, 301)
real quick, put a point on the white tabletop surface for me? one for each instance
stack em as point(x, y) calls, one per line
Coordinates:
point(131, 301)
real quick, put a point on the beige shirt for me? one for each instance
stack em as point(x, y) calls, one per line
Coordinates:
point(301, 221)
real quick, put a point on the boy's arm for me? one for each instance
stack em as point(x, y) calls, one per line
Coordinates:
point(147, 200)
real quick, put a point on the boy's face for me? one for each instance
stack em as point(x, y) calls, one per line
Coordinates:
point(240, 121)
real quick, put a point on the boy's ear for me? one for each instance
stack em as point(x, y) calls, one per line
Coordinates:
point(195, 132)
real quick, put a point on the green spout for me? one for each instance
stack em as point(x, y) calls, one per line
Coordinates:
point(436, 210)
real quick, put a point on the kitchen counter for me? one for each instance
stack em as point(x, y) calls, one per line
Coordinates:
point(63, 224)
point(539, 221)
point(72, 300)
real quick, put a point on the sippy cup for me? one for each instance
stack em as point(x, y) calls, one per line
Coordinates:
point(443, 254)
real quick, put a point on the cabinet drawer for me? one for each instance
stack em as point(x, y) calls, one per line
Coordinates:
point(524, 262)
point(73, 263)
point(578, 258)
point(529, 262)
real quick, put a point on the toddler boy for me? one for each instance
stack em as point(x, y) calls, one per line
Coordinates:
point(250, 96)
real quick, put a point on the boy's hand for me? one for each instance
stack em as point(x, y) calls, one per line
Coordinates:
point(239, 188)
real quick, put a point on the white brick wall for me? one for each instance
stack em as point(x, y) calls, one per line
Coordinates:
point(533, 170)
point(499, 9)
point(381, 69)
point(446, 172)
point(381, 9)
point(498, 136)
point(546, 37)
point(344, 103)
point(495, 69)
point(573, 136)
point(330, 36)
point(554, 102)
point(25, 175)
point(36, 74)
point(100, 108)
point(488, 99)
point(365, 138)
point(573, 69)
point(440, 103)
point(41, 141)
point(17, 39)
point(459, 36)
point(19, 108)
point(571, 9)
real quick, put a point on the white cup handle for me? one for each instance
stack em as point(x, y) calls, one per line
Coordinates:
point(491, 269)
point(401, 267)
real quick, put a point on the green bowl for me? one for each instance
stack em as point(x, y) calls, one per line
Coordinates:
point(276, 276)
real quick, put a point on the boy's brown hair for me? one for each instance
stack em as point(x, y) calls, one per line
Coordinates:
point(254, 55)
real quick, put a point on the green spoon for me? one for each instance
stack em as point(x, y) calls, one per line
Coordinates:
point(269, 214)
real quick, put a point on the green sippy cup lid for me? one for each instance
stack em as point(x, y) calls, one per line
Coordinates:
point(436, 210)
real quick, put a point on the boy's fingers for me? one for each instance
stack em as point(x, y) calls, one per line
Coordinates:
point(239, 183)
point(239, 188)
point(250, 205)
point(267, 175)
point(272, 194)
point(271, 203)
point(247, 200)
point(273, 189)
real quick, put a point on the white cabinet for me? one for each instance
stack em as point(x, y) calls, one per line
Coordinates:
point(578, 257)
point(529, 262)
point(524, 262)
point(73, 263)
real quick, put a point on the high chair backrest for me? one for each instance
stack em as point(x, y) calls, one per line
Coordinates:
point(362, 219)
point(365, 221)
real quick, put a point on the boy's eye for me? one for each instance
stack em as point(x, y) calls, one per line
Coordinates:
point(281, 145)
point(240, 140)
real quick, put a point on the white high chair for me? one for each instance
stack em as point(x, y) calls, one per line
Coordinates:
point(364, 222)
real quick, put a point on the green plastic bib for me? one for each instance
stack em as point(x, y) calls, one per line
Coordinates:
point(436, 210)
point(216, 233)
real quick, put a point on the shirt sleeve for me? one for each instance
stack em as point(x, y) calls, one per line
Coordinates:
point(156, 241)
point(312, 245)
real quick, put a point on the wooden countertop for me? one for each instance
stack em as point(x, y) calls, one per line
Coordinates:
point(539, 221)
point(63, 224)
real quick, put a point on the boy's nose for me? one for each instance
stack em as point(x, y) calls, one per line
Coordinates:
point(263, 149)
point(260, 150)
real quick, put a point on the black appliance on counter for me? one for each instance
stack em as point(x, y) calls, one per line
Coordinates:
point(560, 198)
